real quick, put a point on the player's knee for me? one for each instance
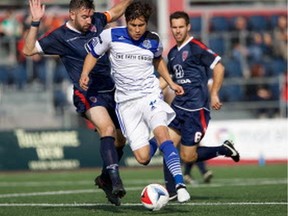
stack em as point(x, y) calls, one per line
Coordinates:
point(110, 131)
point(143, 159)
point(189, 157)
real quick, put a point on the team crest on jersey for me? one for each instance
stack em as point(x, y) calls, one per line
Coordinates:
point(93, 28)
point(93, 99)
point(147, 44)
point(184, 55)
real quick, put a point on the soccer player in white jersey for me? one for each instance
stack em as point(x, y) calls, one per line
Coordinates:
point(135, 53)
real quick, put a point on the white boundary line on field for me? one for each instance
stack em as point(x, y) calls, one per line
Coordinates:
point(216, 182)
point(133, 204)
point(237, 183)
point(61, 192)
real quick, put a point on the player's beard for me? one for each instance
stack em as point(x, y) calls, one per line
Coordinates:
point(82, 28)
point(85, 28)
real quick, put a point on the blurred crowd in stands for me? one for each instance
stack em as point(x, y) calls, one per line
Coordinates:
point(253, 48)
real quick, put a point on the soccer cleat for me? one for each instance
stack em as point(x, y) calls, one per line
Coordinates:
point(207, 176)
point(233, 153)
point(172, 196)
point(106, 186)
point(182, 193)
point(118, 189)
point(117, 185)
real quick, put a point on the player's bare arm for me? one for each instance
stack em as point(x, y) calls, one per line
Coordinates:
point(218, 76)
point(89, 63)
point(118, 10)
point(37, 11)
point(160, 66)
point(162, 83)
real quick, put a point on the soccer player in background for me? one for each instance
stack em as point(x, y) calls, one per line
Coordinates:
point(189, 63)
point(134, 52)
point(187, 167)
point(97, 104)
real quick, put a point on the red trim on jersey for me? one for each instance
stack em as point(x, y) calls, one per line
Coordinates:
point(203, 46)
point(199, 43)
point(203, 120)
point(83, 99)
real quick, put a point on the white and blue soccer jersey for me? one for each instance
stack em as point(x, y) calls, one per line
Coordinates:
point(190, 66)
point(68, 43)
point(131, 61)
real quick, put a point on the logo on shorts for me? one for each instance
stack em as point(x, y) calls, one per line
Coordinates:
point(152, 104)
point(93, 99)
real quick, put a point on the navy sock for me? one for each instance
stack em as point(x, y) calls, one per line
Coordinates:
point(120, 152)
point(169, 180)
point(188, 168)
point(109, 157)
point(202, 167)
point(108, 151)
point(206, 153)
point(172, 160)
point(153, 146)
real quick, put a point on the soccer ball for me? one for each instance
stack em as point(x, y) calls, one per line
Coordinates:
point(154, 197)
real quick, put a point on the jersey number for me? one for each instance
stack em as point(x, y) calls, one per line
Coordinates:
point(197, 137)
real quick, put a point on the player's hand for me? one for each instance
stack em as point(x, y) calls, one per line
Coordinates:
point(177, 88)
point(83, 82)
point(37, 10)
point(215, 102)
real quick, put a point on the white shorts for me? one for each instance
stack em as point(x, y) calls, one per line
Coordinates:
point(138, 117)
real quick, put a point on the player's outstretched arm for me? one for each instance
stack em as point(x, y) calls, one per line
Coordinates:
point(119, 9)
point(89, 63)
point(161, 67)
point(37, 11)
point(162, 83)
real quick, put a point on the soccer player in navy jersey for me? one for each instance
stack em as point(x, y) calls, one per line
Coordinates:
point(97, 104)
point(134, 52)
point(189, 63)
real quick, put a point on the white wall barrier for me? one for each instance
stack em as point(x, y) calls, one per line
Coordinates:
point(253, 138)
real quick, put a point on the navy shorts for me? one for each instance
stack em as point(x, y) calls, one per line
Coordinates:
point(84, 100)
point(192, 125)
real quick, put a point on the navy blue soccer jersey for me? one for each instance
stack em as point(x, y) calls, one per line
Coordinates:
point(190, 66)
point(68, 44)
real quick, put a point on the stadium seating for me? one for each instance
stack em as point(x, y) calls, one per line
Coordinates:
point(232, 92)
point(60, 73)
point(273, 20)
point(219, 23)
point(217, 44)
point(19, 74)
point(278, 66)
point(233, 68)
point(258, 23)
point(3, 75)
point(196, 24)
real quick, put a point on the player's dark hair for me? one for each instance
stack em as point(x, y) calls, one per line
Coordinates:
point(138, 9)
point(178, 15)
point(77, 4)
